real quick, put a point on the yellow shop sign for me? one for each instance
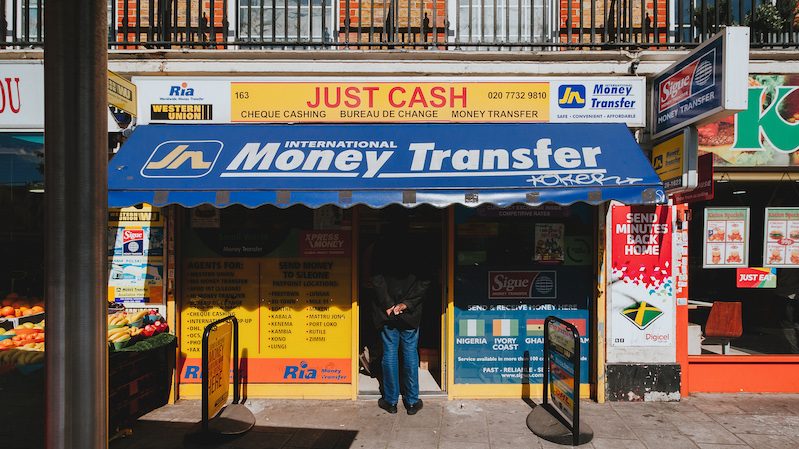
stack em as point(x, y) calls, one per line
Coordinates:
point(390, 101)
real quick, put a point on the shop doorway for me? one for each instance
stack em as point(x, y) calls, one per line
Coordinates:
point(426, 230)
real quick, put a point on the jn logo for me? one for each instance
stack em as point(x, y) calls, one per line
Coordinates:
point(571, 96)
point(658, 162)
point(182, 159)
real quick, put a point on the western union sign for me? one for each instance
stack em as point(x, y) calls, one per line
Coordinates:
point(181, 112)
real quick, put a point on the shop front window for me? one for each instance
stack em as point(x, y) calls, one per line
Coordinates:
point(286, 276)
point(768, 322)
point(515, 267)
point(22, 289)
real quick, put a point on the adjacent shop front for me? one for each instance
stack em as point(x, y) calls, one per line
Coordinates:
point(742, 314)
point(279, 223)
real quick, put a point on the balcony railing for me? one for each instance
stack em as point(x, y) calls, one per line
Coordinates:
point(419, 24)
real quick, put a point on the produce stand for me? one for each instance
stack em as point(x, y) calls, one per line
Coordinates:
point(140, 376)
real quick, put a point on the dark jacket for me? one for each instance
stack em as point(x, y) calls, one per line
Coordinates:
point(391, 290)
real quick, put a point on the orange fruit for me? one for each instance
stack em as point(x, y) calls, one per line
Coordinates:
point(37, 309)
point(27, 312)
point(7, 310)
point(17, 313)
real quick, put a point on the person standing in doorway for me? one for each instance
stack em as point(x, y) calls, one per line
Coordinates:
point(399, 289)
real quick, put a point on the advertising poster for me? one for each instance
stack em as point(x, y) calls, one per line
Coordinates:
point(205, 216)
point(136, 255)
point(549, 242)
point(562, 365)
point(291, 295)
point(502, 299)
point(765, 134)
point(781, 246)
point(505, 344)
point(756, 278)
point(642, 283)
point(219, 367)
point(499, 320)
point(726, 238)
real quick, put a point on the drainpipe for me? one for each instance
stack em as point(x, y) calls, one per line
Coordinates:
point(76, 148)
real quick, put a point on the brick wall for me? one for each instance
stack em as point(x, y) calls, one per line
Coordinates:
point(139, 14)
point(374, 15)
point(621, 11)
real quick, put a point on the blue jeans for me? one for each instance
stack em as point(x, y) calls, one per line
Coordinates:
point(393, 340)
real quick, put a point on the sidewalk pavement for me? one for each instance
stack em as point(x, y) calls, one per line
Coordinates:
point(707, 421)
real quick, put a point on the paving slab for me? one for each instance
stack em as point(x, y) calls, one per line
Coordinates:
point(707, 432)
point(734, 421)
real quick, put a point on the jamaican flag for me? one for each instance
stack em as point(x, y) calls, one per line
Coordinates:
point(642, 314)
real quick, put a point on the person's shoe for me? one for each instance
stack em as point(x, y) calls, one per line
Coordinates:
point(391, 408)
point(414, 408)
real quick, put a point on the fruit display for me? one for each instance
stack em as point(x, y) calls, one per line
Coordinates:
point(22, 347)
point(27, 336)
point(125, 328)
point(21, 357)
point(13, 306)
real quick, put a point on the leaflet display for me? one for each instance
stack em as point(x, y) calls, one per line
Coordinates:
point(726, 238)
point(781, 240)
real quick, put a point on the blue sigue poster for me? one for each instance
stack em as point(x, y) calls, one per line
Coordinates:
point(507, 346)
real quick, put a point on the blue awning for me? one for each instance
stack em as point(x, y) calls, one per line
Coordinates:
point(377, 165)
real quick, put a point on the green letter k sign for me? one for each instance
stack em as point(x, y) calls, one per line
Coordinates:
point(782, 135)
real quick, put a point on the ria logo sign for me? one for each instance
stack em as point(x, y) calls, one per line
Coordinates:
point(183, 90)
point(571, 96)
point(182, 159)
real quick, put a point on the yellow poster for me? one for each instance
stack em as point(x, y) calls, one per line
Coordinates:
point(218, 366)
point(390, 101)
point(294, 310)
point(215, 288)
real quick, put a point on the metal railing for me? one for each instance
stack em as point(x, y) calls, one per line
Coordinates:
point(419, 24)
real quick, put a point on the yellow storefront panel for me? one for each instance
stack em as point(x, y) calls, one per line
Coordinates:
point(370, 102)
